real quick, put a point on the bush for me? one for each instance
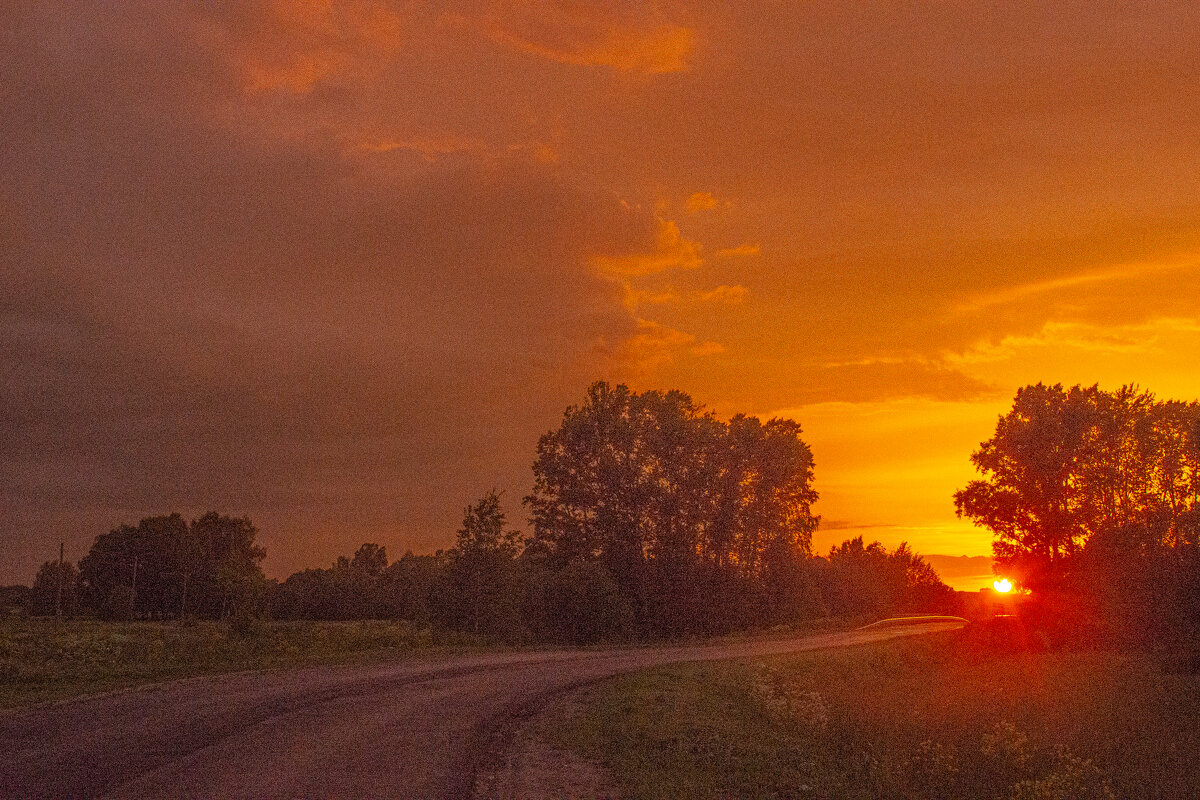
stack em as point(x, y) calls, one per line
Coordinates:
point(580, 604)
point(118, 605)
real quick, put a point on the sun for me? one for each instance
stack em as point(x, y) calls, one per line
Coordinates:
point(1004, 585)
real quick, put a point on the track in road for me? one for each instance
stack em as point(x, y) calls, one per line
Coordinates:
point(409, 729)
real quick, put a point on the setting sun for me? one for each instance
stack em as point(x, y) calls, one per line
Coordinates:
point(1004, 585)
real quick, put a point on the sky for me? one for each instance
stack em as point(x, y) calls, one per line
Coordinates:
point(338, 265)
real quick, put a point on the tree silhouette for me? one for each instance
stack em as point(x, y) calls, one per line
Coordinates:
point(1066, 466)
point(690, 516)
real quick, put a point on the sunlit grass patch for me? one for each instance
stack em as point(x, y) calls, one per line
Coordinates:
point(899, 719)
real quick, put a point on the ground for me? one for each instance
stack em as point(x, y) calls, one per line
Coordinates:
point(424, 725)
point(927, 717)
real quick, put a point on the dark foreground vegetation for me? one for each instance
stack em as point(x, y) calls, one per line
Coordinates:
point(651, 518)
point(952, 716)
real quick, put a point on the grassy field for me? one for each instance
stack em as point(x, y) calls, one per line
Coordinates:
point(924, 718)
point(39, 663)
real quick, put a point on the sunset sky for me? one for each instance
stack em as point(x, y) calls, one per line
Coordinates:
point(338, 265)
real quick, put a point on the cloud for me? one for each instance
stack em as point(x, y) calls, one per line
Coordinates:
point(724, 294)
point(654, 345)
point(731, 295)
point(629, 39)
point(700, 201)
point(707, 349)
point(670, 251)
point(340, 342)
point(292, 46)
point(740, 250)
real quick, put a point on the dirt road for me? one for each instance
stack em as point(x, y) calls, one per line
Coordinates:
point(409, 730)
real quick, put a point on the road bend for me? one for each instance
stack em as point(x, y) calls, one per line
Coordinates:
point(410, 729)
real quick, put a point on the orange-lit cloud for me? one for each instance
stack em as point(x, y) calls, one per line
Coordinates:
point(740, 250)
point(294, 44)
point(671, 251)
point(629, 38)
point(700, 201)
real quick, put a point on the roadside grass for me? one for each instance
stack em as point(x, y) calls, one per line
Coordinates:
point(927, 717)
point(39, 663)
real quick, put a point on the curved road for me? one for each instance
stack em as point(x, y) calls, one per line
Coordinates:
point(409, 729)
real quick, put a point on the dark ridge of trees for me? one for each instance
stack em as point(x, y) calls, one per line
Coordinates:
point(1097, 495)
point(166, 567)
point(651, 518)
point(363, 586)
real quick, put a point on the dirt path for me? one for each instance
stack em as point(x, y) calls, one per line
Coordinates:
point(387, 730)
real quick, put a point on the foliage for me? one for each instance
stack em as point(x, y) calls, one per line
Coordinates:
point(685, 512)
point(865, 579)
point(482, 590)
point(579, 604)
point(51, 578)
point(1067, 465)
point(210, 568)
point(363, 586)
point(14, 599)
point(1094, 500)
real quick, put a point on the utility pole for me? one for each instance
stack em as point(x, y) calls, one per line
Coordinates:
point(133, 591)
point(58, 593)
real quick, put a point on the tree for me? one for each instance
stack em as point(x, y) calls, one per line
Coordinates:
point(1066, 466)
point(1028, 497)
point(690, 516)
point(482, 572)
point(169, 567)
point(865, 579)
point(44, 596)
point(14, 599)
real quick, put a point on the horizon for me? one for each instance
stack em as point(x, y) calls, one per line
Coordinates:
point(338, 268)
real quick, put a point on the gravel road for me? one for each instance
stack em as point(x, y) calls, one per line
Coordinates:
point(413, 729)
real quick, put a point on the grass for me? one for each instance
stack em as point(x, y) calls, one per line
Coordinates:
point(921, 718)
point(39, 663)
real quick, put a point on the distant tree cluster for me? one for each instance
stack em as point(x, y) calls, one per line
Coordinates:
point(162, 568)
point(859, 579)
point(651, 518)
point(363, 586)
point(1097, 493)
point(14, 599)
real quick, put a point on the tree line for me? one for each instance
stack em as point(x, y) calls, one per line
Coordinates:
point(650, 518)
point(1094, 496)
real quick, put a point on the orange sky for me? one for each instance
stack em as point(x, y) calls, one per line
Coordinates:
point(337, 265)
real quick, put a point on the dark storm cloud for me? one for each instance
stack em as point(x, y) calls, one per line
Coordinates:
point(344, 345)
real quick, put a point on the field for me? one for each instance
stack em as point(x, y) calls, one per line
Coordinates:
point(929, 717)
point(40, 663)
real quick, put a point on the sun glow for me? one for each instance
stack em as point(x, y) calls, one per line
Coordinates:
point(1004, 585)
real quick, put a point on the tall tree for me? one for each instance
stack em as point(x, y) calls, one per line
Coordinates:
point(684, 511)
point(482, 571)
point(55, 581)
point(1067, 466)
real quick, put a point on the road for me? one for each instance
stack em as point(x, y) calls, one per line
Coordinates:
point(408, 729)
